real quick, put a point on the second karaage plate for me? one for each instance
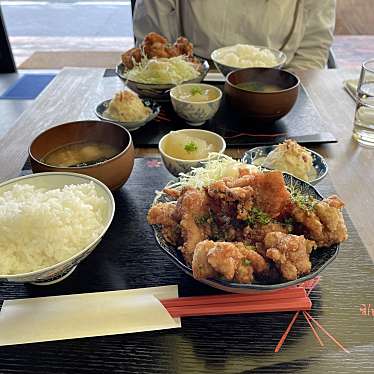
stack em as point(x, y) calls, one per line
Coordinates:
point(320, 258)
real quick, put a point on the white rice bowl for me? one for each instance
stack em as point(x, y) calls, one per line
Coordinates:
point(246, 56)
point(49, 222)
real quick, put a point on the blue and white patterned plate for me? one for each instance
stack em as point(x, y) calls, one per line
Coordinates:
point(319, 162)
point(131, 126)
point(320, 257)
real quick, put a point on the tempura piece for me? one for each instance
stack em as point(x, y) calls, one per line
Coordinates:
point(290, 253)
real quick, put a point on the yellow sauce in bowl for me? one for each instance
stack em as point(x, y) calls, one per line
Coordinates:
point(186, 147)
point(196, 94)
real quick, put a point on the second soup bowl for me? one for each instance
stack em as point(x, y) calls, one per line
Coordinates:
point(263, 94)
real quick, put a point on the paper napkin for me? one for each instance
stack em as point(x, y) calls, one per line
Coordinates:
point(86, 315)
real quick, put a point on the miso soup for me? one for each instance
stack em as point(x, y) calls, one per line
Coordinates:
point(256, 86)
point(80, 154)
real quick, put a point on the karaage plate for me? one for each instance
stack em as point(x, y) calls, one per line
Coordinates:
point(320, 258)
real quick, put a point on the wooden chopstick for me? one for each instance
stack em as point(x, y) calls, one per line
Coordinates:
point(266, 306)
point(289, 299)
point(287, 293)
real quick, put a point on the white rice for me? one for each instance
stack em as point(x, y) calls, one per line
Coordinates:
point(39, 228)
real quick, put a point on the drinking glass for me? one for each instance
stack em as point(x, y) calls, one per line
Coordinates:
point(363, 129)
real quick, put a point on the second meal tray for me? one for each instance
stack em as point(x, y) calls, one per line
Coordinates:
point(302, 124)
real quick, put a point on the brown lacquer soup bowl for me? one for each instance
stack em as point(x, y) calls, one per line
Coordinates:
point(113, 171)
point(262, 94)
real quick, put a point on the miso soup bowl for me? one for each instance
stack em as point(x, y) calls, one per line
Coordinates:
point(262, 106)
point(113, 172)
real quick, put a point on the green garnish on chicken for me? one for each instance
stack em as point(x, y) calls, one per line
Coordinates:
point(304, 202)
point(257, 216)
point(246, 262)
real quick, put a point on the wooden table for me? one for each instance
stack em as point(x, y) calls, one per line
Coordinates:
point(75, 92)
point(129, 258)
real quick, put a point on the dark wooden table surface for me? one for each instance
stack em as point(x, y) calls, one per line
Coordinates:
point(128, 257)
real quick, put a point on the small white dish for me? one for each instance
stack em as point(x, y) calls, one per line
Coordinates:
point(176, 166)
point(195, 113)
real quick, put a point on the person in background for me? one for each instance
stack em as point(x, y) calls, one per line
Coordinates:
point(302, 29)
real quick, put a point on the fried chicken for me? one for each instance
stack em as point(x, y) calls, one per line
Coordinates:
point(129, 57)
point(156, 46)
point(164, 214)
point(201, 268)
point(231, 260)
point(324, 223)
point(191, 207)
point(242, 196)
point(225, 258)
point(183, 46)
point(173, 193)
point(251, 266)
point(290, 253)
point(271, 195)
point(269, 190)
point(257, 233)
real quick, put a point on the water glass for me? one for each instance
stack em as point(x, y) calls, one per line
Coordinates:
point(363, 130)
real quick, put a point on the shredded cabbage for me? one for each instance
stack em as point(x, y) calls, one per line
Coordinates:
point(215, 168)
point(173, 70)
